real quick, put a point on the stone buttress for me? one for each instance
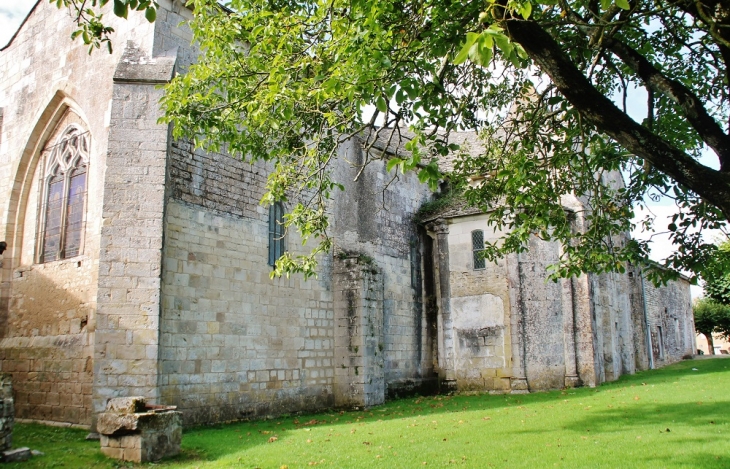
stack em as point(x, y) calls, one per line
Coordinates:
point(128, 316)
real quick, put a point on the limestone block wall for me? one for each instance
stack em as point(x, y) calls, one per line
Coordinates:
point(47, 311)
point(480, 305)
point(359, 347)
point(172, 34)
point(614, 325)
point(514, 329)
point(126, 347)
point(640, 339)
point(373, 217)
point(235, 343)
point(543, 317)
point(671, 322)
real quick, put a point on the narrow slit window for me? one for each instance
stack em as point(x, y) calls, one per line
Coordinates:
point(661, 342)
point(677, 334)
point(64, 197)
point(477, 243)
point(277, 245)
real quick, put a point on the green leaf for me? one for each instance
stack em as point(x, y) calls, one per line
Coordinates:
point(482, 53)
point(393, 162)
point(504, 43)
point(381, 105)
point(464, 52)
point(150, 13)
point(120, 9)
point(623, 4)
point(526, 9)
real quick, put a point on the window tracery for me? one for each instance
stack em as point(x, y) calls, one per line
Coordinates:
point(64, 196)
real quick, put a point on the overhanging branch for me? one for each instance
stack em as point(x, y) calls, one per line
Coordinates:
point(692, 108)
point(711, 185)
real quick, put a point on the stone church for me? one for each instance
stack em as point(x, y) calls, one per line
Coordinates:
point(135, 265)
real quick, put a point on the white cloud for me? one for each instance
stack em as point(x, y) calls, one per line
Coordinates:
point(11, 15)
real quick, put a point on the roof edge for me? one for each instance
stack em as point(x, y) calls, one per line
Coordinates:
point(12, 38)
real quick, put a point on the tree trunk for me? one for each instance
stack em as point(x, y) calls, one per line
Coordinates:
point(710, 343)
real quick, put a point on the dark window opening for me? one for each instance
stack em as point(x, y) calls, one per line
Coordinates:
point(661, 342)
point(277, 245)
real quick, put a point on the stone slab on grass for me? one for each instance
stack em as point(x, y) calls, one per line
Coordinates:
point(133, 431)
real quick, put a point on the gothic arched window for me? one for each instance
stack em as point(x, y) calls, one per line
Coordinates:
point(276, 232)
point(64, 196)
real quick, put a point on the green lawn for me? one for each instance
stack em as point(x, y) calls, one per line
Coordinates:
point(678, 416)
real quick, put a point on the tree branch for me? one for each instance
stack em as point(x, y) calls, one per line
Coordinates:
point(713, 186)
point(708, 129)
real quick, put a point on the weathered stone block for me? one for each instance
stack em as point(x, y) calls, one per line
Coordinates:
point(7, 412)
point(126, 405)
point(16, 455)
point(145, 433)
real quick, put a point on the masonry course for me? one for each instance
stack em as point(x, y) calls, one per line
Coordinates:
point(171, 298)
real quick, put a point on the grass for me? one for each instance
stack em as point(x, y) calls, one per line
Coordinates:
point(678, 416)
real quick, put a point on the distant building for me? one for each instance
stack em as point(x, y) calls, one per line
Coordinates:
point(721, 346)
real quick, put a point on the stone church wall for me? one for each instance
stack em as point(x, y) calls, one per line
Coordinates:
point(507, 320)
point(544, 346)
point(671, 323)
point(613, 325)
point(480, 305)
point(171, 297)
point(48, 310)
point(235, 343)
point(373, 216)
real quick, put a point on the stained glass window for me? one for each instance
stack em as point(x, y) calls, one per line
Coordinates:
point(64, 196)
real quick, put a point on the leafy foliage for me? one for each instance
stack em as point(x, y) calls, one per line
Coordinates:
point(716, 275)
point(90, 22)
point(712, 317)
point(288, 81)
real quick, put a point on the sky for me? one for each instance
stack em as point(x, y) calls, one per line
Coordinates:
point(12, 13)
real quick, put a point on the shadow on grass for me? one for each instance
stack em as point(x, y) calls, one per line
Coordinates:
point(211, 443)
point(704, 461)
point(662, 416)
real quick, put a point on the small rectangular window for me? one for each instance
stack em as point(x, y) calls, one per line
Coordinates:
point(276, 232)
point(477, 246)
